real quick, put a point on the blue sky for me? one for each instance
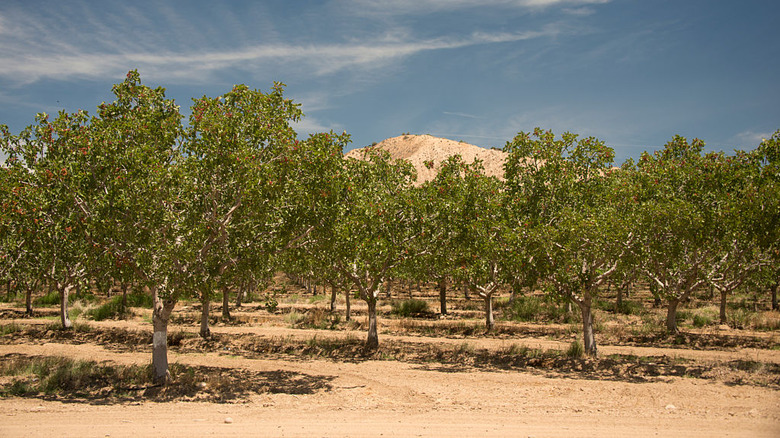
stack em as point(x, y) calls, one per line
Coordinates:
point(631, 72)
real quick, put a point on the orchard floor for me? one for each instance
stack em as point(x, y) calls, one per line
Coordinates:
point(389, 397)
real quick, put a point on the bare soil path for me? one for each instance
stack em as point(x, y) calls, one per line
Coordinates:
point(389, 397)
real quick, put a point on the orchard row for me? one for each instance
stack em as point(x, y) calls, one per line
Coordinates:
point(134, 194)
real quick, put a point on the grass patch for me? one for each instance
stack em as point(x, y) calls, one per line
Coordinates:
point(39, 376)
point(54, 375)
point(700, 321)
point(408, 308)
point(532, 308)
point(293, 318)
point(111, 309)
point(575, 350)
point(50, 299)
point(318, 318)
point(8, 329)
point(314, 299)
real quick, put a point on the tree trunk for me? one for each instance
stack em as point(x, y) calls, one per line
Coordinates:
point(619, 299)
point(333, 291)
point(466, 292)
point(347, 294)
point(443, 295)
point(64, 317)
point(372, 342)
point(160, 315)
point(388, 288)
point(588, 340)
point(205, 332)
point(28, 301)
point(226, 304)
point(489, 322)
point(723, 306)
point(240, 295)
point(124, 297)
point(774, 297)
point(671, 315)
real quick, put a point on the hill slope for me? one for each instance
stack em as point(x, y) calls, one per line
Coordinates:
point(420, 148)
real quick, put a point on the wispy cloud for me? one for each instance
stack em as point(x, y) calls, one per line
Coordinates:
point(464, 115)
point(750, 139)
point(414, 7)
point(70, 60)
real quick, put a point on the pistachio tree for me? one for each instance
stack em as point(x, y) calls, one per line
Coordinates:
point(47, 160)
point(375, 228)
point(678, 225)
point(562, 187)
point(471, 213)
point(248, 183)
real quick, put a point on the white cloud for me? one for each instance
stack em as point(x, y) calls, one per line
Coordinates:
point(464, 115)
point(412, 7)
point(70, 61)
point(750, 139)
point(310, 125)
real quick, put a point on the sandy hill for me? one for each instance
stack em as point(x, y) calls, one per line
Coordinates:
point(420, 148)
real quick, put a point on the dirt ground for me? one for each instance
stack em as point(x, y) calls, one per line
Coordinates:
point(400, 394)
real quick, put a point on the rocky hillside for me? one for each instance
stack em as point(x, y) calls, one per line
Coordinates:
point(418, 149)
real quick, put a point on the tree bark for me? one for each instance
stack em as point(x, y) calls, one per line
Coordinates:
point(723, 306)
point(388, 288)
point(240, 295)
point(205, 332)
point(64, 317)
point(28, 301)
point(443, 295)
point(333, 291)
point(671, 315)
point(774, 297)
point(160, 316)
point(489, 322)
point(124, 297)
point(588, 340)
point(619, 299)
point(347, 294)
point(372, 342)
point(226, 304)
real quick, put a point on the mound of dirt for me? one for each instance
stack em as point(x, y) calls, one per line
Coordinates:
point(417, 149)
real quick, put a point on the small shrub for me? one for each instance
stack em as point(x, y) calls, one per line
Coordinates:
point(270, 302)
point(742, 318)
point(110, 309)
point(532, 308)
point(319, 318)
point(576, 350)
point(524, 309)
point(683, 315)
point(316, 298)
point(464, 348)
point(10, 328)
point(517, 350)
point(140, 299)
point(700, 321)
point(50, 299)
point(627, 307)
point(409, 308)
point(293, 318)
